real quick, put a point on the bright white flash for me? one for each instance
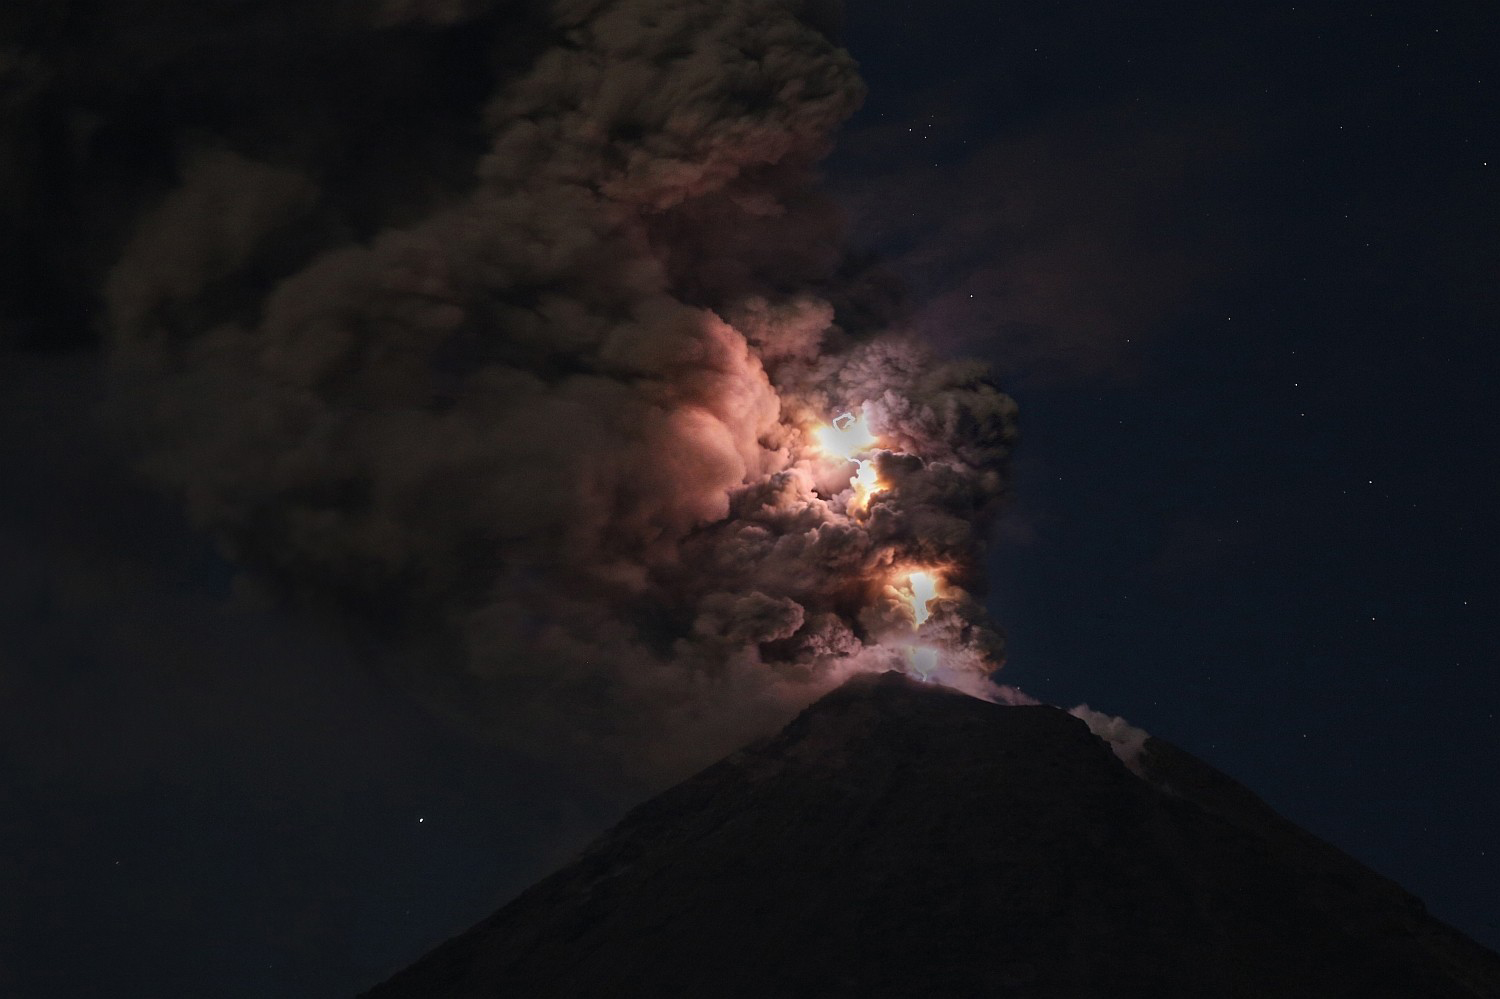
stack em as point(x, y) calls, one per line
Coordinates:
point(866, 483)
point(923, 586)
point(847, 436)
point(923, 661)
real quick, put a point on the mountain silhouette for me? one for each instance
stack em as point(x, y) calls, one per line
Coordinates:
point(903, 839)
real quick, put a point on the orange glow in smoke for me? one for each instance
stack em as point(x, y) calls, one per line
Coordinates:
point(922, 586)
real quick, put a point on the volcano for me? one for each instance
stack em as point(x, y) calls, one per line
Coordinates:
point(903, 839)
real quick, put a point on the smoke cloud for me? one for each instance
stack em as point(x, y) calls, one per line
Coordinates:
point(1125, 740)
point(500, 333)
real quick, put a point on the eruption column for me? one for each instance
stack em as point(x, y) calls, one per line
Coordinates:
point(529, 422)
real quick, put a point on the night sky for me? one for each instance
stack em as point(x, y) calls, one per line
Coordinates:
point(1237, 265)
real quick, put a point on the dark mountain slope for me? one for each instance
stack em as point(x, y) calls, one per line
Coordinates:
point(898, 839)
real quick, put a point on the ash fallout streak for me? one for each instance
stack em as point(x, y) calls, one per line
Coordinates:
point(555, 439)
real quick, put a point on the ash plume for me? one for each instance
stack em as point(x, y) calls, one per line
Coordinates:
point(523, 378)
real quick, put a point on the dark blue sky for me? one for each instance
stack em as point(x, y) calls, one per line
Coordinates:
point(1236, 263)
point(1255, 492)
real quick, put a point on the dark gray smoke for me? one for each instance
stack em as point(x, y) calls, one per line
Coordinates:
point(500, 331)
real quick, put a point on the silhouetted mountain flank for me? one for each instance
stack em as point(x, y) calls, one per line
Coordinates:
point(898, 839)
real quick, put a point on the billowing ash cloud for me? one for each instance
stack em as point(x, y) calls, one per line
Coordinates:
point(544, 423)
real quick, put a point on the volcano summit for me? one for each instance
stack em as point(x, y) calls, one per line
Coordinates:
point(903, 839)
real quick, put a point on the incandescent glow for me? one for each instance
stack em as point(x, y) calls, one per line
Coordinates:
point(923, 587)
point(920, 589)
point(847, 436)
point(866, 483)
point(923, 661)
